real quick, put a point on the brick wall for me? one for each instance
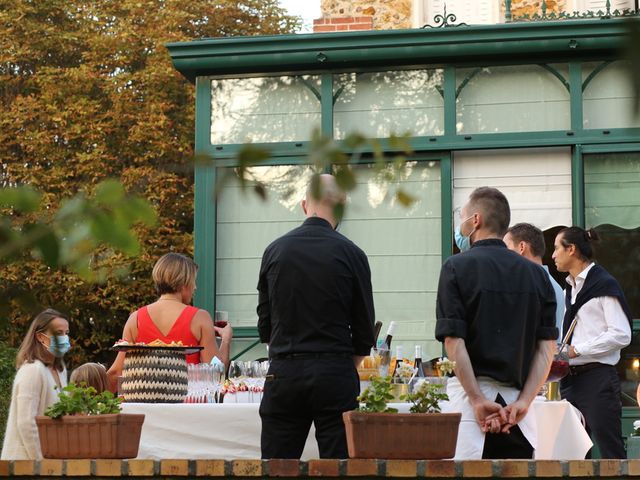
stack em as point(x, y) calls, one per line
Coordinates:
point(377, 14)
point(243, 469)
point(338, 24)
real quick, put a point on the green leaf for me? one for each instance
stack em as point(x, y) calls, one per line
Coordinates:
point(405, 199)
point(49, 248)
point(345, 179)
point(250, 155)
point(114, 231)
point(22, 199)
point(109, 192)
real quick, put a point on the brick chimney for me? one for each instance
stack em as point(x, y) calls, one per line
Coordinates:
point(341, 24)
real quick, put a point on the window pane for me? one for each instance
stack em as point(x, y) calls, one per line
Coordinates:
point(382, 103)
point(524, 98)
point(246, 225)
point(612, 207)
point(403, 247)
point(536, 181)
point(270, 109)
point(608, 96)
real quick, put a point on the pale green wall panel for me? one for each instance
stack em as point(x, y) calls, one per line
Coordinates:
point(379, 104)
point(608, 97)
point(266, 109)
point(404, 249)
point(612, 189)
point(512, 99)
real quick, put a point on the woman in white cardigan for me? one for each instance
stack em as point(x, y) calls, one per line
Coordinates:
point(41, 374)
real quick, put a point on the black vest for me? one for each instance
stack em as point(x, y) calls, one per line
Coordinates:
point(599, 283)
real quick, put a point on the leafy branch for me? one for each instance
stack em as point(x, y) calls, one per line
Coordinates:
point(73, 235)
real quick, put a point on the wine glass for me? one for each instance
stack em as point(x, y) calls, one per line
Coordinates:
point(382, 358)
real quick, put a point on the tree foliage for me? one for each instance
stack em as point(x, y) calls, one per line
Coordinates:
point(88, 93)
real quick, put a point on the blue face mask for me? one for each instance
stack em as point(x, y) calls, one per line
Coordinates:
point(59, 345)
point(463, 242)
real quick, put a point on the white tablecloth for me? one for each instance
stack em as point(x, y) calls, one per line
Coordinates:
point(232, 431)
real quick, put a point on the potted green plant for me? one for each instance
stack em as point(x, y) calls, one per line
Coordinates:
point(376, 430)
point(87, 424)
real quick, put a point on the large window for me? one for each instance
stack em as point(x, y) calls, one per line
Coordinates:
point(379, 104)
point(612, 207)
point(266, 109)
point(403, 245)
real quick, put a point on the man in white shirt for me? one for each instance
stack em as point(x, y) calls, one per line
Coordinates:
point(528, 240)
point(596, 304)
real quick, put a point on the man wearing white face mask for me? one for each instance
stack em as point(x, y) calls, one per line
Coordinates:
point(496, 317)
point(41, 375)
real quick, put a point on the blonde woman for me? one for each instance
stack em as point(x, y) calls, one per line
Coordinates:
point(172, 319)
point(41, 374)
point(92, 375)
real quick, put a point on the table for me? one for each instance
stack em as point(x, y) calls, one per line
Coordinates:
point(232, 431)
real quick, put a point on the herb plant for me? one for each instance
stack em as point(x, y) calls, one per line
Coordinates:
point(83, 400)
point(425, 397)
point(375, 397)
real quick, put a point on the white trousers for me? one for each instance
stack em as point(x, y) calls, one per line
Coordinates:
point(470, 437)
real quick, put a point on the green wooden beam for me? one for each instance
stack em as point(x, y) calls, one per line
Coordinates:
point(346, 51)
point(575, 94)
point(577, 186)
point(450, 95)
point(290, 154)
point(204, 209)
point(446, 203)
point(326, 102)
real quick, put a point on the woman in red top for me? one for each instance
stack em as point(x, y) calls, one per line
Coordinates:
point(172, 319)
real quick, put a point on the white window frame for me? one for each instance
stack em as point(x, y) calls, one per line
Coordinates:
point(423, 11)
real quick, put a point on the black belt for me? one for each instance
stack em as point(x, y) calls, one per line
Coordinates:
point(580, 369)
point(281, 356)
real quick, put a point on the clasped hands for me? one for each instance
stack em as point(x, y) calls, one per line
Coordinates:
point(494, 418)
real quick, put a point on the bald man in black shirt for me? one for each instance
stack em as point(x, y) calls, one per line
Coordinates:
point(496, 316)
point(316, 313)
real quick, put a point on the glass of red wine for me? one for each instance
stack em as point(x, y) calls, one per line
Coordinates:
point(221, 318)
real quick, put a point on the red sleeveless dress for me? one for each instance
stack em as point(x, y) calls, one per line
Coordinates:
point(181, 330)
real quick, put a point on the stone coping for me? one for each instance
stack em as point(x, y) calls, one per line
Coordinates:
point(369, 468)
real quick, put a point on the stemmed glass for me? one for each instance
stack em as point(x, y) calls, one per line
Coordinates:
point(382, 357)
point(259, 372)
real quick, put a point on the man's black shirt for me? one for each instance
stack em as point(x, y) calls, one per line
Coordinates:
point(501, 304)
point(315, 293)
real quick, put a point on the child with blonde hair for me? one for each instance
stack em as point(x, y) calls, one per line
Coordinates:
point(92, 374)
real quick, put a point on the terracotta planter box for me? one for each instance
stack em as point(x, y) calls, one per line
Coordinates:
point(410, 436)
point(90, 436)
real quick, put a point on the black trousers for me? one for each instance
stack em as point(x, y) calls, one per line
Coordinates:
point(596, 393)
point(299, 391)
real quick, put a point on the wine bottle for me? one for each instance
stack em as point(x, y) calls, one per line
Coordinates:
point(396, 361)
point(390, 331)
point(376, 331)
point(417, 364)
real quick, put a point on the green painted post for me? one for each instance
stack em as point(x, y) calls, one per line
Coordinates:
point(577, 187)
point(205, 207)
point(326, 108)
point(446, 202)
point(575, 95)
point(326, 104)
point(450, 103)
